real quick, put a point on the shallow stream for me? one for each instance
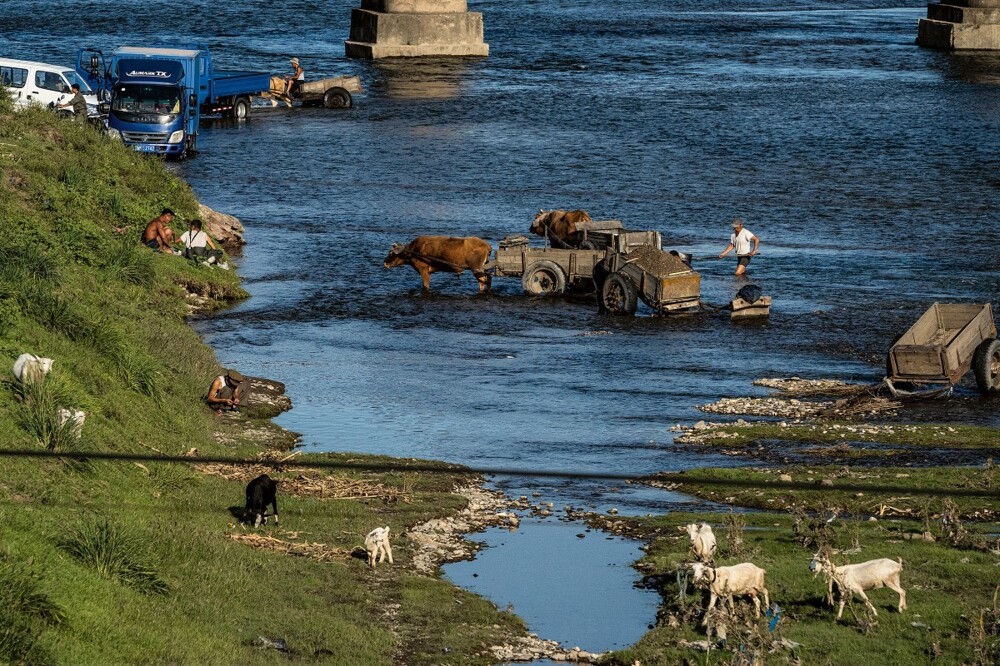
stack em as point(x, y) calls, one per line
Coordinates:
point(869, 167)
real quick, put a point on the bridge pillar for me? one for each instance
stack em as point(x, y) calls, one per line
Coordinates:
point(961, 24)
point(409, 28)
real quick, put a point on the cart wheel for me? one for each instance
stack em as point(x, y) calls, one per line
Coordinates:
point(543, 278)
point(986, 366)
point(241, 108)
point(337, 98)
point(588, 245)
point(619, 295)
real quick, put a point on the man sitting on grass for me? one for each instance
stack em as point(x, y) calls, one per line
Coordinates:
point(196, 244)
point(155, 235)
point(228, 392)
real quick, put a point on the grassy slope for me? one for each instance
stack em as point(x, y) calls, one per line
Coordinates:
point(112, 317)
point(945, 587)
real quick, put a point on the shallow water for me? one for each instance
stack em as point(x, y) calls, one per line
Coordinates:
point(546, 569)
point(869, 168)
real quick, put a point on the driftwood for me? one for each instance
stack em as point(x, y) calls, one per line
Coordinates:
point(314, 551)
point(306, 482)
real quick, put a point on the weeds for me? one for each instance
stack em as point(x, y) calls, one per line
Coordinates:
point(115, 553)
point(736, 545)
point(131, 263)
point(984, 634)
point(37, 413)
point(25, 612)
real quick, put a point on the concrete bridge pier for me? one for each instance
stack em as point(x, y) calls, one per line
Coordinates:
point(411, 28)
point(961, 25)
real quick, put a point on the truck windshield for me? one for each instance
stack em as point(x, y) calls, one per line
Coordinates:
point(73, 77)
point(137, 98)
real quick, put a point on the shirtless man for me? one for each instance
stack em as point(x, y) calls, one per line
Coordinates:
point(156, 236)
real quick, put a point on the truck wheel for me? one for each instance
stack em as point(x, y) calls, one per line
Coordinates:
point(619, 295)
point(543, 278)
point(241, 108)
point(337, 98)
point(986, 366)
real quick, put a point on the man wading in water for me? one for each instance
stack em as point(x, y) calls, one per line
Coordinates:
point(740, 240)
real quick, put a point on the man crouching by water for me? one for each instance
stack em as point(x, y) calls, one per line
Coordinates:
point(156, 236)
point(740, 240)
point(228, 392)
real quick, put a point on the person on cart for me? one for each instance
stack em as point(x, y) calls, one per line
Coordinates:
point(295, 79)
point(741, 240)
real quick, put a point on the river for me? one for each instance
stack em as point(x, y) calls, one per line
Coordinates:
point(868, 167)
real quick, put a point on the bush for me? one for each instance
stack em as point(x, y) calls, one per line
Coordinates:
point(25, 612)
point(37, 413)
point(131, 262)
point(115, 553)
point(6, 103)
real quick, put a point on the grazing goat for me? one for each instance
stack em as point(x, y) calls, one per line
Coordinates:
point(856, 578)
point(74, 416)
point(29, 368)
point(743, 580)
point(377, 545)
point(702, 541)
point(260, 492)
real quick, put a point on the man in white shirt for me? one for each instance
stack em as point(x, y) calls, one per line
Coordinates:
point(195, 241)
point(741, 240)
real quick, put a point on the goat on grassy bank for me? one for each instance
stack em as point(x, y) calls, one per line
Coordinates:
point(702, 541)
point(260, 492)
point(29, 368)
point(853, 579)
point(377, 545)
point(739, 580)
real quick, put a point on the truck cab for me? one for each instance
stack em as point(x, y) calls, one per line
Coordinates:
point(158, 93)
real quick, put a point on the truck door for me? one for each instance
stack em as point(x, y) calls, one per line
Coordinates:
point(91, 66)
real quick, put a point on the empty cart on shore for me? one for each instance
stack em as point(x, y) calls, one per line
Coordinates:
point(940, 348)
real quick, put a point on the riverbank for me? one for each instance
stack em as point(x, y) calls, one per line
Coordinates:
point(106, 562)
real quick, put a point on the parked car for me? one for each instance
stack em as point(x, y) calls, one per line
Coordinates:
point(30, 82)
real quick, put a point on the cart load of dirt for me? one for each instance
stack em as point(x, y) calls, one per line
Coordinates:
point(656, 261)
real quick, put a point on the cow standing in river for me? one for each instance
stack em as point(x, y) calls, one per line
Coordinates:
point(430, 254)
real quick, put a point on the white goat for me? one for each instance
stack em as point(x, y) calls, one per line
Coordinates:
point(856, 578)
point(377, 545)
point(31, 368)
point(75, 416)
point(702, 541)
point(743, 580)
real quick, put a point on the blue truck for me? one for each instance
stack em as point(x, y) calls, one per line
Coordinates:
point(155, 95)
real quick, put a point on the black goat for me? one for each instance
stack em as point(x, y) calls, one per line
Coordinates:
point(260, 492)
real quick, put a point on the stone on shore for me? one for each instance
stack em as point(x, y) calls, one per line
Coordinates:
point(226, 229)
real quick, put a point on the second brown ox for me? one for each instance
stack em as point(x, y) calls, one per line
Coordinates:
point(430, 254)
point(560, 226)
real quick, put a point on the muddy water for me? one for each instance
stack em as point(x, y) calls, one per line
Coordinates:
point(868, 167)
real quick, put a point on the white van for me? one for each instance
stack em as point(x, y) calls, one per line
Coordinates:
point(40, 83)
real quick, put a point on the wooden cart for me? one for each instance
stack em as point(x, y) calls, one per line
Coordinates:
point(548, 271)
point(662, 280)
point(333, 93)
point(937, 351)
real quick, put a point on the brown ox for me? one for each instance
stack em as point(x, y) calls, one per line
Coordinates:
point(430, 254)
point(559, 225)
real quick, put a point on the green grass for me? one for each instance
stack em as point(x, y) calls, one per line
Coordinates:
point(113, 563)
point(915, 435)
point(859, 502)
point(947, 590)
